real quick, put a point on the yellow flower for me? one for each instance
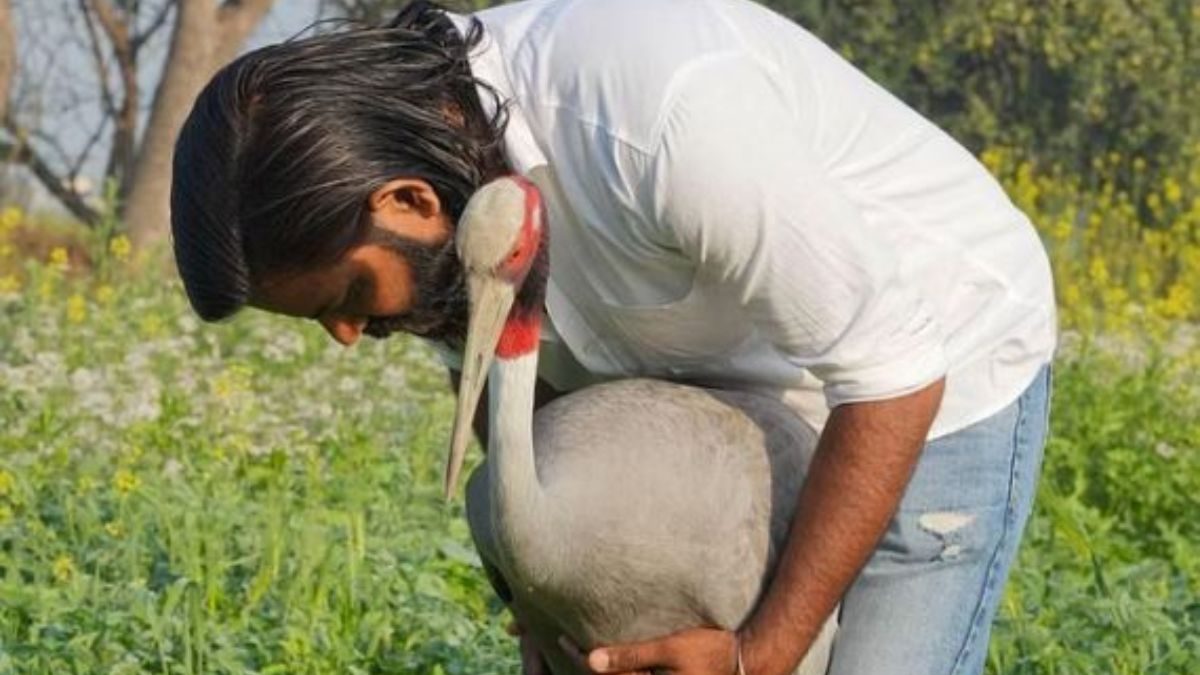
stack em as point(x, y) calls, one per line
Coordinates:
point(9, 283)
point(125, 481)
point(47, 287)
point(1072, 295)
point(993, 159)
point(235, 380)
point(6, 514)
point(59, 258)
point(64, 569)
point(114, 529)
point(120, 247)
point(1144, 281)
point(10, 218)
point(987, 39)
point(924, 56)
point(7, 482)
point(1098, 271)
point(105, 294)
point(6, 250)
point(1179, 302)
point(76, 309)
point(1172, 191)
point(150, 326)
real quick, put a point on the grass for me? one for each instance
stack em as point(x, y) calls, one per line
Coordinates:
point(248, 498)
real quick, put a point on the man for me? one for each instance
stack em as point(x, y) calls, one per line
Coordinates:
point(731, 203)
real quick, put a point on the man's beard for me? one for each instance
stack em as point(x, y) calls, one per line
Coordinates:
point(440, 303)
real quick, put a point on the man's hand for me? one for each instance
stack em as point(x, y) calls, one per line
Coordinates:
point(699, 651)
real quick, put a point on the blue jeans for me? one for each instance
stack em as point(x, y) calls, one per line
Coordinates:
point(925, 602)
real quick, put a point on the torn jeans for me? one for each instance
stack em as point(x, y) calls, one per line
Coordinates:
point(925, 602)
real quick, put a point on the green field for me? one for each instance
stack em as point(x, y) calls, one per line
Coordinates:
point(249, 498)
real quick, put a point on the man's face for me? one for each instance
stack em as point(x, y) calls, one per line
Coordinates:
point(405, 277)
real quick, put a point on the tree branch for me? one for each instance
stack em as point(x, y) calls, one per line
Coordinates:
point(159, 20)
point(22, 153)
point(47, 141)
point(106, 94)
point(92, 140)
point(114, 25)
point(117, 27)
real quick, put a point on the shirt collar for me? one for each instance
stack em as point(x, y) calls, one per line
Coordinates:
point(488, 65)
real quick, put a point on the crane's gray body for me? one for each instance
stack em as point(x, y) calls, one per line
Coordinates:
point(670, 505)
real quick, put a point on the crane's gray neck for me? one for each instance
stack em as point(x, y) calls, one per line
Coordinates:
point(517, 495)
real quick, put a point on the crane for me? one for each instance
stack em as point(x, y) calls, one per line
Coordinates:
point(624, 511)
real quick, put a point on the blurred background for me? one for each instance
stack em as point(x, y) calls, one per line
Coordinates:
point(247, 498)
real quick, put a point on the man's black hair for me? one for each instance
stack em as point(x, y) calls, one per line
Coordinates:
point(274, 165)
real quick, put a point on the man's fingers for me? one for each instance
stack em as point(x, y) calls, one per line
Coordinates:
point(635, 657)
point(579, 658)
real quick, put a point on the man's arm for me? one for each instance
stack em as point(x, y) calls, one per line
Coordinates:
point(864, 460)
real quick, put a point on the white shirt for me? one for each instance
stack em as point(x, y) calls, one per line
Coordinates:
point(731, 202)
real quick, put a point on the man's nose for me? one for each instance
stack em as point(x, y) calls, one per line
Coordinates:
point(345, 329)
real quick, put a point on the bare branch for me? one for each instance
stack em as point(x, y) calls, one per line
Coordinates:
point(99, 60)
point(117, 28)
point(114, 25)
point(21, 152)
point(159, 20)
point(51, 142)
point(92, 140)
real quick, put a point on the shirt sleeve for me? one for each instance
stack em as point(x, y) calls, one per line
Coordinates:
point(736, 185)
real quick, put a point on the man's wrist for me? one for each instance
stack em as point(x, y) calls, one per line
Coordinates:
point(755, 655)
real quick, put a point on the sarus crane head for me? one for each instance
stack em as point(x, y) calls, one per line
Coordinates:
point(498, 238)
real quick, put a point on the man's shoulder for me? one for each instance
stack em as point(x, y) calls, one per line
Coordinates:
point(607, 66)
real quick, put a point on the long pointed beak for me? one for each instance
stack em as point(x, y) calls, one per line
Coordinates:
point(491, 299)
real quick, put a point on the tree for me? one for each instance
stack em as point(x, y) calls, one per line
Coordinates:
point(205, 34)
point(1058, 81)
point(8, 53)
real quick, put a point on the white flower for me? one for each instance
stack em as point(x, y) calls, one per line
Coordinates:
point(1165, 450)
point(172, 468)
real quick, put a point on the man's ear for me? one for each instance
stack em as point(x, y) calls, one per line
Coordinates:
point(405, 197)
point(410, 208)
